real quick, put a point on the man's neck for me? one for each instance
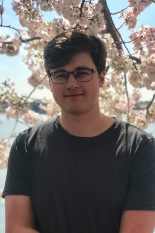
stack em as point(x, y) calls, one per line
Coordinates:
point(86, 125)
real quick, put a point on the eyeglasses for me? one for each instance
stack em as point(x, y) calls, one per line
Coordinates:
point(82, 75)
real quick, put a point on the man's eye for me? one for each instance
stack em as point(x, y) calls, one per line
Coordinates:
point(82, 73)
point(61, 76)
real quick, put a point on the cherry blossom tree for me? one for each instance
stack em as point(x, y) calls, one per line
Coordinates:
point(90, 17)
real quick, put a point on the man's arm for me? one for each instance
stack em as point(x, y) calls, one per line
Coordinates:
point(137, 221)
point(19, 215)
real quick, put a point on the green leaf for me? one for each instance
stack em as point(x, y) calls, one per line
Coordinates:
point(8, 36)
point(37, 41)
point(36, 55)
point(142, 26)
point(5, 83)
point(49, 24)
point(39, 53)
point(57, 31)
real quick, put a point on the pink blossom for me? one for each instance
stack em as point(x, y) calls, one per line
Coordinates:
point(4, 145)
point(33, 118)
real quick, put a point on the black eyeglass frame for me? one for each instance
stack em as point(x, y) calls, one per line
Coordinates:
point(68, 73)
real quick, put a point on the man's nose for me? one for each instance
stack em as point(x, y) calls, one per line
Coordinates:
point(72, 82)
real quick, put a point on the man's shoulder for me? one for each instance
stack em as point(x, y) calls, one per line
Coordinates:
point(134, 133)
point(39, 130)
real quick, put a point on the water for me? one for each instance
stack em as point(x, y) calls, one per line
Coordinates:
point(6, 127)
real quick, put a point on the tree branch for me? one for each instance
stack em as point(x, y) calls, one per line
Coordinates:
point(11, 28)
point(146, 108)
point(110, 27)
point(147, 113)
point(83, 1)
point(1, 13)
point(23, 123)
point(35, 88)
point(121, 26)
point(119, 11)
point(24, 41)
point(151, 102)
point(14, 128)
point(138, 60)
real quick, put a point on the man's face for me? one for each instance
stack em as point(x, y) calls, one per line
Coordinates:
point(78, 97)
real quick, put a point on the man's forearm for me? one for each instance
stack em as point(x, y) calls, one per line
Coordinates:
point(24, 230)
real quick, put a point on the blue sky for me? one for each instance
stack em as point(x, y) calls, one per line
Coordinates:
point(17, 71)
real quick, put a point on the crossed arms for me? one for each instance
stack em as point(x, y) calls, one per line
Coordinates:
point(20, 217)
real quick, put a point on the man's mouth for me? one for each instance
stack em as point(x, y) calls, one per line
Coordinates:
point(74, 95)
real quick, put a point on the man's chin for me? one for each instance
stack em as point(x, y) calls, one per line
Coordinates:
point(74, 111)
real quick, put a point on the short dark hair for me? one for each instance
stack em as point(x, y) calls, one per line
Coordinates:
point(60, 50)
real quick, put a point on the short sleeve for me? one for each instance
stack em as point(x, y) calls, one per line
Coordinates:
point(17, 172)
point(141, 182)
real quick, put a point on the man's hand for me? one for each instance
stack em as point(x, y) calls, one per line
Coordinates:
point(137, 221)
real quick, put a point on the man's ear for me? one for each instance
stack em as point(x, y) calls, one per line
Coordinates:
point(101, 80)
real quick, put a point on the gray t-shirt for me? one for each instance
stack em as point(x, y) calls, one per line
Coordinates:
point(82, 184)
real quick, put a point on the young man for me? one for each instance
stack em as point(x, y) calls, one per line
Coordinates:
point(82, 172)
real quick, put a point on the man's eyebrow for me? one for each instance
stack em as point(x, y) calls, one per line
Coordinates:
point(58, 70)
point(82, 67)
point(78, 68)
